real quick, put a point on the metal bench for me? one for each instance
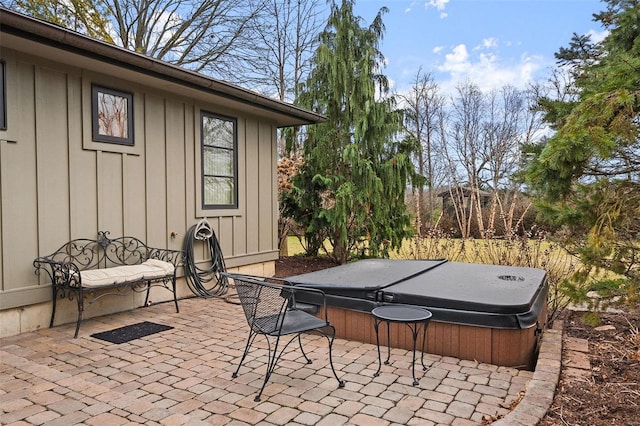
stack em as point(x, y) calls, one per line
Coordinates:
point(92, 269)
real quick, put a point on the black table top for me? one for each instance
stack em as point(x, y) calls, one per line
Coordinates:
point(401, 313)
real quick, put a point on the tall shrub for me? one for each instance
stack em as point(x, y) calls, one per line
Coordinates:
point(351, 187)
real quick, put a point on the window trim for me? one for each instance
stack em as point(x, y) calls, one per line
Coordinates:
point(236, 202)
point(3, 95)
point(95, 135)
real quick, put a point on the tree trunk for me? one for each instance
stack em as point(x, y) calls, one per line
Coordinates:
point(284, 246)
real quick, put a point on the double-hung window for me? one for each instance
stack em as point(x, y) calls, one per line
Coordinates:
point(219, 162)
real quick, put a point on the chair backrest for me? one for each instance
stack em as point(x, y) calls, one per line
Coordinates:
point(264, 304)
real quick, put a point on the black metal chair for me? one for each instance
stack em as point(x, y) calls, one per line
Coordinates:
point(270, 307)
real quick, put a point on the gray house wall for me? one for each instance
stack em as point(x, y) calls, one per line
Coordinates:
point(57, 184)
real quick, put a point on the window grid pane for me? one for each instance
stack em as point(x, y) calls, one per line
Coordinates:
point(218, 191)
point(218, 162)
point(217, 132)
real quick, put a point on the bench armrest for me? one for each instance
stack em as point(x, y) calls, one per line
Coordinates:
point(61, 273)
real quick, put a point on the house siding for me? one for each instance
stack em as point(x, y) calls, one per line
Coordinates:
point(57, 185)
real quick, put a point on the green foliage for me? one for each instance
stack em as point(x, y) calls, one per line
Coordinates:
point(587, 175)
point(600, 293)
point(351, 187)
point(592, 319)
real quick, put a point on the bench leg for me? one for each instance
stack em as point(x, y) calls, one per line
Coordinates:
point(175, 295)
point(80, 297)
point(146, 299)
point(55, 302)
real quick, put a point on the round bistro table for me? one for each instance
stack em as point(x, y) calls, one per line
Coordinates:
point(413, 317)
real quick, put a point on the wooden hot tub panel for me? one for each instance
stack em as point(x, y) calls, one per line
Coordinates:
point(504, 347)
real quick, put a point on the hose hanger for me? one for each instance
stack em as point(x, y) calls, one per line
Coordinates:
point(206, 281)
point(203, 230)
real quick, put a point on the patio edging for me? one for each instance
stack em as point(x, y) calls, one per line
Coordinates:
point(541, 388)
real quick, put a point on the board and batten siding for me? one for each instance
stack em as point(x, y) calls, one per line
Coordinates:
point(56, 184)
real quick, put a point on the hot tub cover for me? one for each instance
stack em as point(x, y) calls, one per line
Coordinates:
point(464, 293)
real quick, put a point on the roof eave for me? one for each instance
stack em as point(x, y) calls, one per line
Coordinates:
point(45, 32)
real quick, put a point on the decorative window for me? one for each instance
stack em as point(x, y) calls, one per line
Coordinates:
point(219, 162)
point(112, 115)
point(3, 98)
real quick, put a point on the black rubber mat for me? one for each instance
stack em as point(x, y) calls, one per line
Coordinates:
point(131, 332)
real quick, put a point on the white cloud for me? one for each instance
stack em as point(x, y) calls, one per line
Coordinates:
point(411, 6)
point(598, 36)
point(437, 49)
point(488, 43)
point(457, 61)
point(486, 69)
point(439, 5)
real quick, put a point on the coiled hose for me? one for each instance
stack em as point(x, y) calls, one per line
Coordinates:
point(209, 281)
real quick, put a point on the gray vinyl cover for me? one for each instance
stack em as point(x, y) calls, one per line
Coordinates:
point(462, 293)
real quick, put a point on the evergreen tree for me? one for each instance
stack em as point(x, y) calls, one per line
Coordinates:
point(350, 189)
point(587, 175)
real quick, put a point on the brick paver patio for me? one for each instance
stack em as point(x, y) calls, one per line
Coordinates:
point(183, 377)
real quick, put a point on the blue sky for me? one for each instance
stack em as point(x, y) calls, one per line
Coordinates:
point(489, 42)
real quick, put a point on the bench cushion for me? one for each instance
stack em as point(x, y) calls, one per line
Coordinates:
point(167, 267)
point(150, 269)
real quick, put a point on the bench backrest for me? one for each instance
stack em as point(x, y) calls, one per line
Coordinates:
point(105, 252)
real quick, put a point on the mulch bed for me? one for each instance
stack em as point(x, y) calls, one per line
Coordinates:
point(611, 395)
point(296, 265)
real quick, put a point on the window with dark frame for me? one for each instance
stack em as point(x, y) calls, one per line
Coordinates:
point(111, 115)
point(3, 97)
point(219, 161)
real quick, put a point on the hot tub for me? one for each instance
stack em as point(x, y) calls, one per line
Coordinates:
point(488, 313)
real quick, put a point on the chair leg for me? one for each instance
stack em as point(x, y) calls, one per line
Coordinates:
point(302, 349)
point(250, 339)
point(330, 337)
point(273, 356)
point(272, 360)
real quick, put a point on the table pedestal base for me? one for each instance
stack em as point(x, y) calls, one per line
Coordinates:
point(414, 318)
